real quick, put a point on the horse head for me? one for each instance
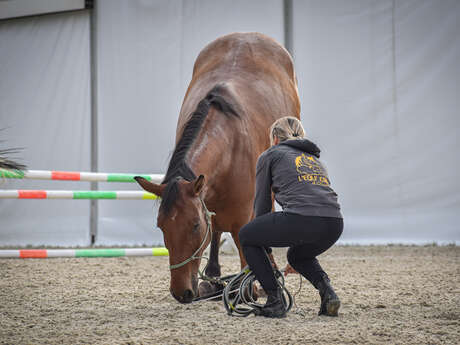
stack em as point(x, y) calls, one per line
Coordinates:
point(186, 225)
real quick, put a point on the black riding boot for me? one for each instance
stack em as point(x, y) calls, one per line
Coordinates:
point(274, 307)
point(330, 303)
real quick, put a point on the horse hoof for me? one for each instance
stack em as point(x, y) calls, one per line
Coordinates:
point(206, 288)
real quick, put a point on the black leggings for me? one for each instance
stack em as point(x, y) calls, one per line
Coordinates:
point(306, 237)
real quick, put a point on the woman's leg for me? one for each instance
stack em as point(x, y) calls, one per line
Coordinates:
point(321, 233)
point(304, 262)
point(263, 231)
point(313, 235)
point(266, 231)
point(307, 237)
point(303, 259)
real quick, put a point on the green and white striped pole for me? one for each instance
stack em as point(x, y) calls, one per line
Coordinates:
point(76, 176)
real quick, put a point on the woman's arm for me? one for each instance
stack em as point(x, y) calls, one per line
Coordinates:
point(263, 199)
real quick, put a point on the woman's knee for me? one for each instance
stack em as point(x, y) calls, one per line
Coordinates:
point(244, 233)
point(298, 254)
point(249, 234)
point(291, 257)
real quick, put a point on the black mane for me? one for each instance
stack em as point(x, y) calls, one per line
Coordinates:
point(178, 167)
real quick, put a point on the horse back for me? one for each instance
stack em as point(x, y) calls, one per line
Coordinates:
point(255, 74)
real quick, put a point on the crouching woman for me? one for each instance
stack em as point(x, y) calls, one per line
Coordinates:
point(310, 223)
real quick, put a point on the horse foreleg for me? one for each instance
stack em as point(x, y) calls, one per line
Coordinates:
point(213, 268)
point(207, 288)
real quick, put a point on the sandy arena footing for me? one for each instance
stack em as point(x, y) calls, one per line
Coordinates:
point(389, 294)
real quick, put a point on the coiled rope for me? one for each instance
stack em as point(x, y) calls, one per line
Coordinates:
point(238, 289)
point(238, 293)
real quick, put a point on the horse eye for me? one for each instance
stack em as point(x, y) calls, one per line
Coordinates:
point(196, 226)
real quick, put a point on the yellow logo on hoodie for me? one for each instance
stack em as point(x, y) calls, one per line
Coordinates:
point(310, 170)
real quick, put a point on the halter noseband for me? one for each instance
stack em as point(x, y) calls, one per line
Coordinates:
point(208, 215)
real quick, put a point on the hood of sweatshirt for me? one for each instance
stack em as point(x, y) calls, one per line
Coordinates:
point(303, 145)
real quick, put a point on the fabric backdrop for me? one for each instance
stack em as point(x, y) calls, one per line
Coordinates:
point(378, 82)
point(45, 109)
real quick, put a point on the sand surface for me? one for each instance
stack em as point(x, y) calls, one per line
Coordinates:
point(389, 294)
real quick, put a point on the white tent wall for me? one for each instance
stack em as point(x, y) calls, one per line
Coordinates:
point(45, 109)
point(378, 82)
point(138, 97)
point(379, 87)
point(146, 52)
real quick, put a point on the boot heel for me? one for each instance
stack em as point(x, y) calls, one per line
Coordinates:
point(332, 307)
point(330, 303)
point(275, 305)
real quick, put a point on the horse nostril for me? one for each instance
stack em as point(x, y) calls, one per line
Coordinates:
point(188, 296)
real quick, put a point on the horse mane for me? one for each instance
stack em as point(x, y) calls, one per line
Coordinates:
point(178, 167)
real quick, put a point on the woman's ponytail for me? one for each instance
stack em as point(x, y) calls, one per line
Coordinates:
point(286, 128)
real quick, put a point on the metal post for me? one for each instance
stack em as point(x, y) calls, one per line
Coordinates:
point(94, 117)
point(288, 26)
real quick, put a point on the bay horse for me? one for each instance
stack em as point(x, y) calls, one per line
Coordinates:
point(241, 84)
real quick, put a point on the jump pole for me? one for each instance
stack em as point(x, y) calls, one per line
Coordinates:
point(76, 176)
point(76, 195)
point(81, 253)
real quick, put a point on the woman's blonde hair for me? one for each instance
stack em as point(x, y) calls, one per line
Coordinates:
point(286, 128)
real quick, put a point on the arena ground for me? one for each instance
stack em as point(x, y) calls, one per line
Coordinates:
point(390, 295)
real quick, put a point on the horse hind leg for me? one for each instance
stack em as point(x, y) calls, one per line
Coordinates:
point(256, 292)
point(240, 250)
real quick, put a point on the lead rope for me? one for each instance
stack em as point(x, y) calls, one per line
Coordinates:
point(298, 310)
point(241, 283)
point(238, 295)
point(208, 215)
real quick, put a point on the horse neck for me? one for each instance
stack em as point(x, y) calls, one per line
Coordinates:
point(212, 151)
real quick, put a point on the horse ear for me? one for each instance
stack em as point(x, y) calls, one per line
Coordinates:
point(198, 185)
point(150, 187)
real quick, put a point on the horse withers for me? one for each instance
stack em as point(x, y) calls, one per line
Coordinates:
point(241, 84)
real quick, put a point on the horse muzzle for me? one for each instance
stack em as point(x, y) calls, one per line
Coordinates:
point(186, 297)
point(185, 292)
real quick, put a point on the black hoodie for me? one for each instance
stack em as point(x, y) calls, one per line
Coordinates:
point(292, 170)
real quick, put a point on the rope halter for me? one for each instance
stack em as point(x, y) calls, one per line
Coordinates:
point(208, 215)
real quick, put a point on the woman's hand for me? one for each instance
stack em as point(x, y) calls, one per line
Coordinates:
point(288, 269)
point(272, 261)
